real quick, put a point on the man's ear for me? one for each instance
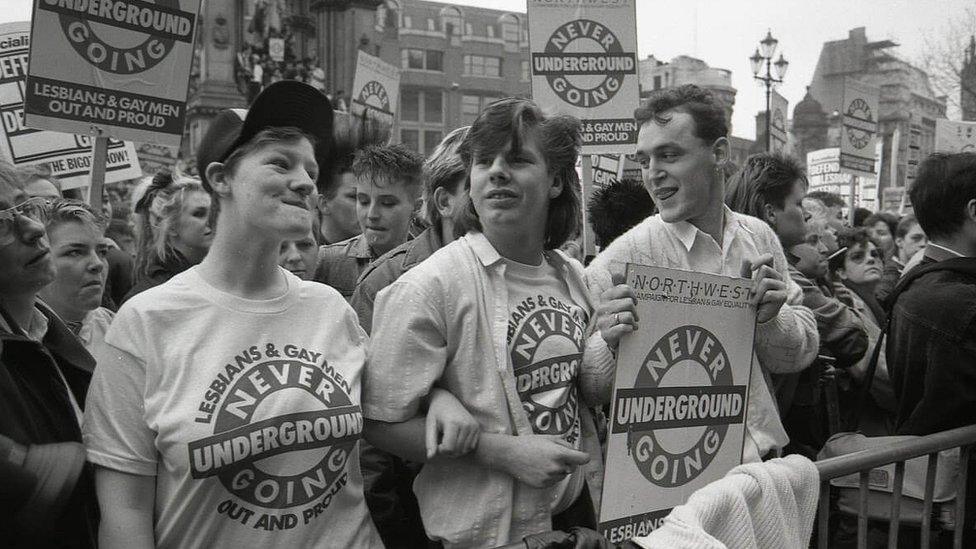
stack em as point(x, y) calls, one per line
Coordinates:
point(443, 202)
point(971, 210)
point(769, 214)
point(722, 151)
point(217, 177)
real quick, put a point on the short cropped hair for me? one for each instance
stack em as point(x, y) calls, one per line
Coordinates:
point(944, 185)
point(705, 110)
point(765, 178)
point(443, 169)
point(507, 122)
point(389, 165)
point(350, 134)
point(829, 199)
point(67, 210)
point(905, 225)
point(861, 216)
point(847, 239)
point(616, 207)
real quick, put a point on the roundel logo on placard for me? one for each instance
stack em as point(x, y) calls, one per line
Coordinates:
point(860, 110)
point(125, 36)
point(374, 95)
point(584, 63)
point(276, 460)
point(677, 415)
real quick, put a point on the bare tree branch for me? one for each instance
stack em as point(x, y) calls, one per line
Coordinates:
point(943, 53)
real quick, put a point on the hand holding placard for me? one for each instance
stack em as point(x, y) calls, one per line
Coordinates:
point(769, 291)
point(617, 312)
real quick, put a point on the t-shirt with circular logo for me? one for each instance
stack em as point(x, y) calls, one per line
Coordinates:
point(247, 413)
point(546, 337)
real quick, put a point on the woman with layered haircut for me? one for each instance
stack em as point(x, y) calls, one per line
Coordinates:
point(481, 318)
point(225, 406)
point(173, 230)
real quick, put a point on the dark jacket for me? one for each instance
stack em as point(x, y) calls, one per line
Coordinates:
point(158, 272)
point(35, 409)
point(340, 264)
point(931, 348)
point(389, 267)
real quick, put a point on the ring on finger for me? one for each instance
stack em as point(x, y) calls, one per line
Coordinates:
point(616, 318)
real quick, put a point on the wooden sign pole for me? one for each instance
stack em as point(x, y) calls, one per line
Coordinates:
point(99, 158)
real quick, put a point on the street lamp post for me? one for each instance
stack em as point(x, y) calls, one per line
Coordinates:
point(764, 53)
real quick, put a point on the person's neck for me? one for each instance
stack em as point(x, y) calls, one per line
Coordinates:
point(712, 222)
point(242, 265)
point(446, 231)
point(519, 247)
point(863, 288)
point(20, 307)
point(958, 243)
point(331, 233)
point(192, 255)
point(65, 311)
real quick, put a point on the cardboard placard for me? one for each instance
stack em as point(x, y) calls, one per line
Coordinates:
point(120, 68)
point(860, 128)
point(680, 396)
point(376, 86)
point(69, 156)
point(584, 63)
point(778, 112)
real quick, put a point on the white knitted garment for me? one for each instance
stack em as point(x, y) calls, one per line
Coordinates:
point(769, 505)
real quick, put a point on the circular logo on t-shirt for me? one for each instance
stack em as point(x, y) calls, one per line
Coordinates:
point(678, 412)
point(546, 349)
point(278, 460)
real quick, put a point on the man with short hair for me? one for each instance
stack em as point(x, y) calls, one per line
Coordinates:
point(931, 348)
point(387, 192)
point(828, 208)
point(681, 146)
point(615, 208)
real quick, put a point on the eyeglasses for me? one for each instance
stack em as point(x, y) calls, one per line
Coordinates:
point(859, 256)
point(34, 208)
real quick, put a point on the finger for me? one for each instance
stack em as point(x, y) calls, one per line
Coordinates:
point(430, 437)
point(574, 457)
point(613, 334)
point(745, 269)
point(764, 259)
point(472, 441)
point(449, 443)
point(618, 278)
point(617, 306)
point(765, 286)
point(617, 292)
point(765, 271)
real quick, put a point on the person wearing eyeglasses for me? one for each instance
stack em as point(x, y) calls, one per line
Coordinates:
point(46, 493)
point(858, 265)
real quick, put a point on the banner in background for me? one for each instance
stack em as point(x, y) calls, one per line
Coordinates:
point(680, 395)
point(68, 155)
point(778, 112)
point(952, 136)
point(824, 173)
point(583, 57)
point(122, 67)
point(860, 128)
point(376, 86)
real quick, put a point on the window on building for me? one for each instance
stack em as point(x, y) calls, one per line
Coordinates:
point(468, 29)
point(435, 60)
point(411, 139)
point(526, 71)
point(472, 105)
point(431, 60)
point(490, 30)
point(407, 22)
point(431, 26)
point(480, 65)
point(657, 82)
point(451, 21)
point(388, 14)
point(510, 31)
point(421, 118)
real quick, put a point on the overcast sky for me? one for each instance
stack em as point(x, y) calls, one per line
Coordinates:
point(724, 33)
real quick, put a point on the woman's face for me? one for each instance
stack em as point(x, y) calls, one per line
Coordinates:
point(512, 189)
point(881, 235)
point(299, 256)
point(192, 233)
point(79, 259)
point(270, 188)
point(862, 264)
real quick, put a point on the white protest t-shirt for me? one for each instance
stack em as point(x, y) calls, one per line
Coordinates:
point(247, 412)
point(545, 345)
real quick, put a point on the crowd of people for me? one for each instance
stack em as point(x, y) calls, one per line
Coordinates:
point(328, 340)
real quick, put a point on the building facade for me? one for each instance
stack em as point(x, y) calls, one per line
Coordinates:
point(967, 82)
point(656, 74)
point(453, 59)
point(908, 105)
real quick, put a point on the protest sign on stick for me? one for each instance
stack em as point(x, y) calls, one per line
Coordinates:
point(952, 136)
point(69, 156)
point(375, 88)
point(860, 128)
point(778, 107)
point(680, 396)
point(122, 68)
point(584, 63)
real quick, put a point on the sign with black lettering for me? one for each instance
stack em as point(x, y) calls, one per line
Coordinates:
point(69, 156)
point(121, 66)
point(778, 111)
point(680, 397)
point(860, 130)
point(376, 87)
point(584, 63)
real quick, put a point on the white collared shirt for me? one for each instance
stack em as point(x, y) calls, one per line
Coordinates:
point(785, 344)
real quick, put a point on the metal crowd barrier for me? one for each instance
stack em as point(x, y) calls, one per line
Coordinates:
point(864, 461)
